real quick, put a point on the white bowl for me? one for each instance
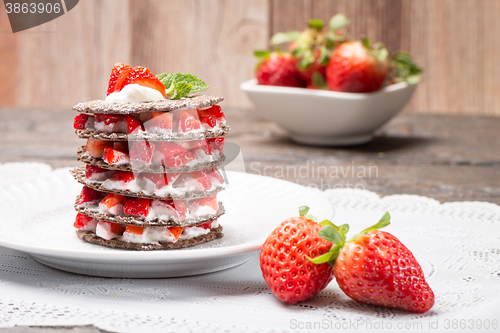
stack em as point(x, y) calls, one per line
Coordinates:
point(328, 118)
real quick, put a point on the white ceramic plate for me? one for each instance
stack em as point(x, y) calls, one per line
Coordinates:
point(37, 218)
point(328, 118)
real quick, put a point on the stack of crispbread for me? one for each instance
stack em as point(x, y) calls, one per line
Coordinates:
point(151, 174)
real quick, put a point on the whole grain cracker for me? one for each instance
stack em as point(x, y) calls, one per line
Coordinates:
point(82, 157)
point(91, 237)
point(100, 106)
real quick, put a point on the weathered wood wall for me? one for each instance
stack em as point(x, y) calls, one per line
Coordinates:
point(67, 60)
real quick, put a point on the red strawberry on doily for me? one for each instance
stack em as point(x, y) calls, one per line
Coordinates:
point(284, 259)
point(374, 267)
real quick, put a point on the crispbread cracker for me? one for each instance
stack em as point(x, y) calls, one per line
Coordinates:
point(156, 222)
point(79, 175)
point(91, 237)
point(100, 106)
point(80, 156)
point(172, 137)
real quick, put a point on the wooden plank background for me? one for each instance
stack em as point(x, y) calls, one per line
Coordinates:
point(67, 60)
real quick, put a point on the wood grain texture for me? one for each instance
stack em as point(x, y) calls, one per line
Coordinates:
point(8, 59)
point(455, 41)
point(67, 60)
point(212, 39)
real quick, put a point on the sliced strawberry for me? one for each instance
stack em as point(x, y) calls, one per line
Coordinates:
point(215, 176)
point(171, 155)
point(200, 149)
point(142, 151)
point(159, 180)
point(166, 209)
point(187, 120)
point(206, 225)
point(110, 123)
point(90, 197)
point(217, 145)
point(143, 76)
point(95, 147)
point(202, 152)
point(160, 122)
point(94, 173)
point(137, 207)
point(136, 230)
point(83, 121)
point(214, 111)
point(109, 230)
point(163, 234)
point(210, 203)
point(122, 176)
point(180, 208)
point(207, 120)
point(134, 125)
point(118, 76)
point(115, 157)
point(113, 204)
point(169, 208)
point(144, 116)
point(121, 146)
point(84, 222)
point(197, 180)
point(176, 231)
point(163, 209)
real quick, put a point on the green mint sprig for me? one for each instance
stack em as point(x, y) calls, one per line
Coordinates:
point(180, 85)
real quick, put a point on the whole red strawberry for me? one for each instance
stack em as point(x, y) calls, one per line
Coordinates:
point(376, 268)
point(278, 69)
point(284, 260)
point(357, 67)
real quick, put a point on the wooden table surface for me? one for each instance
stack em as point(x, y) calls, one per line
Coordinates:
point(448, 158)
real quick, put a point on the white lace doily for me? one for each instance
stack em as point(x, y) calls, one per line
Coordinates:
point(457, 244)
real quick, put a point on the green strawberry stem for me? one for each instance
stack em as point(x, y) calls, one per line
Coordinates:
point(384, 222)
point(337, 236)
point(303, 213)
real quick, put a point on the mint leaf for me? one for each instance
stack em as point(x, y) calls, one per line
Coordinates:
point(179, 85)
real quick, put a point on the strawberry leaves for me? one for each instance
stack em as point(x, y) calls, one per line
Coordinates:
point(284, 37)
point(338, 29)
point(303, 213)
point(337, 236)
point(179, 85)
point(404, 69)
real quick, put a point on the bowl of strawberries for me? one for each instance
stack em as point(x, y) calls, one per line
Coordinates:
point(327, 89)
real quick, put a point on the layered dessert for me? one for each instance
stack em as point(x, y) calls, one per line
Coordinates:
point(152, 159)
